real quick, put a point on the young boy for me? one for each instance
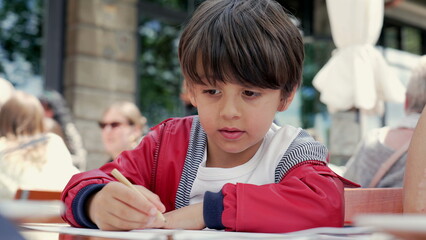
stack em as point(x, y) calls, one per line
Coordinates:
point(230, 167)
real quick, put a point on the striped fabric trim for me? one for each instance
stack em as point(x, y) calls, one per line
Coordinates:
point(303, 148)
point(194, 157)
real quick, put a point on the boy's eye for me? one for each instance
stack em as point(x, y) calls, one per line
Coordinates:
point(211, 91)
point(251, 93)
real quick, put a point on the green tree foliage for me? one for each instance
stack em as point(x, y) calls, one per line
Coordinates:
point(160, 77)
point(316, 55)
point(174, 4)
point(21, 32)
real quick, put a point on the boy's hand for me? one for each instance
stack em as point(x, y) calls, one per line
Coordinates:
point(189, 217)
point(118, 207)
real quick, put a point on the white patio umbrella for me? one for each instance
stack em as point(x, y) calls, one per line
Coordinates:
point(357, 75)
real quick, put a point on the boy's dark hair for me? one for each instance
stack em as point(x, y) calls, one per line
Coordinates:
point(250, 42)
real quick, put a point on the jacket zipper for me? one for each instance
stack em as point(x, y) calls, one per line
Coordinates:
point(155, 160)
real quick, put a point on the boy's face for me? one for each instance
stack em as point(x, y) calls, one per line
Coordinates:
point(236, 118)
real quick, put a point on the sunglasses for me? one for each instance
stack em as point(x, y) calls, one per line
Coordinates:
point(103, 125)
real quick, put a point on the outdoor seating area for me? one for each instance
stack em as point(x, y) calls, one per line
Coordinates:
point(212, 119)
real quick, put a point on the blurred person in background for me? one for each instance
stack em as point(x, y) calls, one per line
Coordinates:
point(58, 120)
point(123, 127)
point(6, 90)
point(29, 157)
point(380, 158)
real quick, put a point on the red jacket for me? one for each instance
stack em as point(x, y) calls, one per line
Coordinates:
point(309, 195)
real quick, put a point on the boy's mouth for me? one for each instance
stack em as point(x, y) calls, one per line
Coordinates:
point(231, 133)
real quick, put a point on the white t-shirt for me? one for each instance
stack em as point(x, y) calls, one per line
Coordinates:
point(258, 170)
point(53, 173)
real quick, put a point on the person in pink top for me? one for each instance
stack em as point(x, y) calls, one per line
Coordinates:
point(230, 167)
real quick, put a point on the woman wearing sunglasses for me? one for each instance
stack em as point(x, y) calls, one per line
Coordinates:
point(122, 128)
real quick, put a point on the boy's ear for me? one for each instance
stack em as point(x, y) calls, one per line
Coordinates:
point(192, 98)
point(286, 101)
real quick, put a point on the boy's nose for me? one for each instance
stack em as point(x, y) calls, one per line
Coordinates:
point(230, 108)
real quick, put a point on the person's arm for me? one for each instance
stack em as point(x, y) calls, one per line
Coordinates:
point(189, 217)
point(415, 170)
point(82, 187)
point(309, 196)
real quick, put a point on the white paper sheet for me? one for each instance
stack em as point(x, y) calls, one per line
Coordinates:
point(160, 234)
